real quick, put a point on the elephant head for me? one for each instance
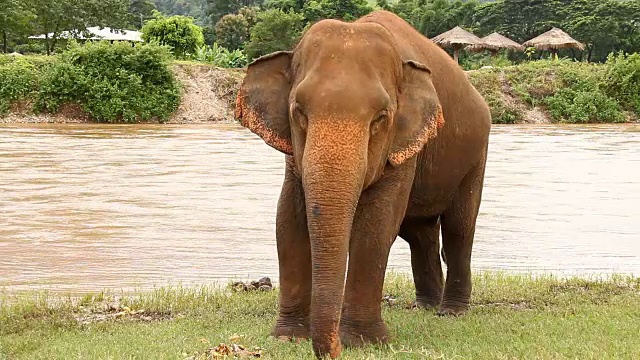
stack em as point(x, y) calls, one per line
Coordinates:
point(344, 104)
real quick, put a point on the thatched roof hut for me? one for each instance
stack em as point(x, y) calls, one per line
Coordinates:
point(554, 40)
point(456, 38)
point(494, 42)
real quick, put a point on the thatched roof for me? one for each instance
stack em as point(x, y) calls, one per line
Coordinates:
point(496, 41)
point(554, 39)
point(456, 36)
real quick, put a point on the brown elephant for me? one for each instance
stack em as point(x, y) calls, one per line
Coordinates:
point(383, 136)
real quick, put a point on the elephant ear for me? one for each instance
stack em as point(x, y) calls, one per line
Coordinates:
point(261, 104)
point(419, 114)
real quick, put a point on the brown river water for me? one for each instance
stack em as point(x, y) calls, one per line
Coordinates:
point(92, 207)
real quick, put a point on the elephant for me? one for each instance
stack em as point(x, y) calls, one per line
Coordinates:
point(383, 135)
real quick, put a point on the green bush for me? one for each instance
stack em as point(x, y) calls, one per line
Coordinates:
point(18, 80)
point(584, 106)
point(622, 79)
point(178, 32)
point(113, 83)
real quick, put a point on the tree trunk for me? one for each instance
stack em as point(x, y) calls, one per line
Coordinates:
point(47, 43)
point(4, 41)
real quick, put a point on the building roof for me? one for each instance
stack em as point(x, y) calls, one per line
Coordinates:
point(99, 34)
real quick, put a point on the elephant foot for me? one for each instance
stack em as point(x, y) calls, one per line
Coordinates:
point(291, 328)
point(428, 303)
point(453, 308)
point(356, 335)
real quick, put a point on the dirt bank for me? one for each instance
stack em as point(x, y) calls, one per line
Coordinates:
point(208, 93)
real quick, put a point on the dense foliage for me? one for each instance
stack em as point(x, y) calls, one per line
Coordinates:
point(604, 26)
point(112, 83)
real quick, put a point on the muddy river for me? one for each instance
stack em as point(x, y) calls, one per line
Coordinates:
point(91, 207)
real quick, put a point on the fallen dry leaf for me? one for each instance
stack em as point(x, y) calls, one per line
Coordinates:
point(233, 350)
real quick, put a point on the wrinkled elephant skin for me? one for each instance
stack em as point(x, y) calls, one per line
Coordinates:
point(383, 136)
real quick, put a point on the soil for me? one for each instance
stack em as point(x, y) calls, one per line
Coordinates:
point(209, 94)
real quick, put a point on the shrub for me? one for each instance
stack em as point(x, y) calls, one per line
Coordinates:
point(584, 106)
point(18, 80)
point(113, 82)
point(178, 32)
point(220, 56)
point(622, 79)
point(30, 48)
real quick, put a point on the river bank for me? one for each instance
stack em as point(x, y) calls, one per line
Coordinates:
point(511, 317)
point(208, 96)
point(539, 92)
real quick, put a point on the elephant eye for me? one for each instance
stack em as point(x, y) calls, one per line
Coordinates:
point(299, 116)
point(378, 122)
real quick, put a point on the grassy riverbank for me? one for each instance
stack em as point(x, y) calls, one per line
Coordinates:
point(512, 317)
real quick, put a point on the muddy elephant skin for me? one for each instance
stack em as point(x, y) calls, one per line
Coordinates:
point(383, 136)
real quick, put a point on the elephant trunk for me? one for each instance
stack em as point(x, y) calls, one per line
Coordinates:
point(333, 175)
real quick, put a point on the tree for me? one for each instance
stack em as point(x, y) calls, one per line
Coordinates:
point(285, 5)
point(216, 9)
point(140, 11)
point(178, 32)
point(250, 14)
point(14, 20)
point(383, 4)
point(603, 25)
point(275, 30)
point(232, 31)
point(54, 16)
point(349, 10)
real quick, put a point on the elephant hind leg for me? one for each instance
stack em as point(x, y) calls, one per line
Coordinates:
point(458, 230)
point(423, 236)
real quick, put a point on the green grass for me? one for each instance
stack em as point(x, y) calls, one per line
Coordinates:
point(511, 317)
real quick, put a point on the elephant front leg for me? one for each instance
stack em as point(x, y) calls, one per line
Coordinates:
point(376, 224)
point(294, 259)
